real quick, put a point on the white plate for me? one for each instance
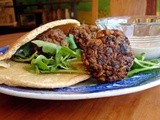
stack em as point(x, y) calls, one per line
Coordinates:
point(88, 89)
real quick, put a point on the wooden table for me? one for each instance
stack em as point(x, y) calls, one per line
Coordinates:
point(144, 105)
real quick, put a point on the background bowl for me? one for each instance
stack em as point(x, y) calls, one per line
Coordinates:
point(132, 25)
point(142, 31)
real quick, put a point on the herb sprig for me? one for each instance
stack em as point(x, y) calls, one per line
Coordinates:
point(142, 65)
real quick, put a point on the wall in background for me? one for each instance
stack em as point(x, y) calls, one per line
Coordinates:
point(84, 13)
point(7, 16)
point(158, 7)
point(85, 10)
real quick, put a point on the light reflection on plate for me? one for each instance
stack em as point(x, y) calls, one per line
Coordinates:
point(88, 89)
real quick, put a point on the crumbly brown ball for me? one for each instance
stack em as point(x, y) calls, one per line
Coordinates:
point(108, 55)
point(84, 33)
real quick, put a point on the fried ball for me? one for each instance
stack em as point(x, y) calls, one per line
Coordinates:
point(109, 57)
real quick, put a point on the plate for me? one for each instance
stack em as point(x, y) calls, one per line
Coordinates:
point(88, 89)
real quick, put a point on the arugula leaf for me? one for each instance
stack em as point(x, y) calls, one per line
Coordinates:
point(71, 43)
point(25, 59)
point(142, 65)
point(42, 63)
point(47, 47)
point(141, 56)
point(24, 53)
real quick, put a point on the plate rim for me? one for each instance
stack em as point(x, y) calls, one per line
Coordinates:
point(59, 96)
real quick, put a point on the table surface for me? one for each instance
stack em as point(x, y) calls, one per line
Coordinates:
point(144, 105)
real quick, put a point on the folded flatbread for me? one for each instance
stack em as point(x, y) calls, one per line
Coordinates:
point(16, 75)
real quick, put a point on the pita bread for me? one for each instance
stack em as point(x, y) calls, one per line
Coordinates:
point(16, 75)
point(34, 33)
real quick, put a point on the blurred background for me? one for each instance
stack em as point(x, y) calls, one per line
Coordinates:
point(25, 15)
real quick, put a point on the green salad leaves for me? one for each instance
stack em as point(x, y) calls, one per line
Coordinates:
point(51, 58)
point(142, 65)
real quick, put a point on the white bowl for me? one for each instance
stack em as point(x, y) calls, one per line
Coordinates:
point(150, 52)
point(132, 25)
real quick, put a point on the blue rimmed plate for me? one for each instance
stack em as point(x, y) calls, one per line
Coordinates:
point(88, 89)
